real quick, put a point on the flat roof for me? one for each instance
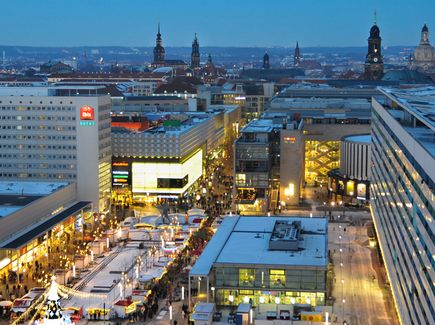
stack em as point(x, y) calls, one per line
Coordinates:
point(15, 195)
point(29, 188)
point(245, 241)
point(38, 229)
point(363, 138)
point(420, 103)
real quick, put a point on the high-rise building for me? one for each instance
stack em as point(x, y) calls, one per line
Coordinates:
point(159, 50)
point(403, 197)
point(374, 65)
point(58, 134)
point(266, 64)
point(195, 56)
point(297, 55)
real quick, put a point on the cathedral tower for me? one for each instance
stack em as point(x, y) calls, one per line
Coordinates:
point(159, 50)
point(195, 56)
point(297, 56)
point(374, 65)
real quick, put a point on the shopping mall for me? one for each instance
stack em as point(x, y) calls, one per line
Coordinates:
point(166, 158)
point(40, 220)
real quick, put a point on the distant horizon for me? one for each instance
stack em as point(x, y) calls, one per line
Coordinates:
point(202, 46)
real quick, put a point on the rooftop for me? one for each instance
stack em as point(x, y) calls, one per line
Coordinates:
point(363, 138)
point(15, 195)
point(420, 104)
point(245, 240)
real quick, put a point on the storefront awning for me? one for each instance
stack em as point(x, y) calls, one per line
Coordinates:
point(43, 227)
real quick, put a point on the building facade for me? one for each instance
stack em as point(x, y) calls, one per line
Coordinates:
point(350, 182)
point(272, 262)
point(58, 134)
point(402, 197)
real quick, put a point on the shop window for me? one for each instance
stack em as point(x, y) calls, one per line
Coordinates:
point(246, 277)
point(277, 278)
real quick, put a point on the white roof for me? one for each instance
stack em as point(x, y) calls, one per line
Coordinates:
point(205, 262)
point(29, 188)
point(245, 240)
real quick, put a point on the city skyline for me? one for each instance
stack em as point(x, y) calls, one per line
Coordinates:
point(53, 24)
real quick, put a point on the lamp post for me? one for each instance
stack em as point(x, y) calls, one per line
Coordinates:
point(212, 292)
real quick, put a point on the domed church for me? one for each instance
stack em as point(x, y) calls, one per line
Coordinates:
point(423, 58)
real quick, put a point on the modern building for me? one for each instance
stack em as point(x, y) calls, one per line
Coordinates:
point(403, 197)
point(423, 57)
point(165, 160)
point(58, 134)
point(36, 217)
point(271, 262)
point(350, 182)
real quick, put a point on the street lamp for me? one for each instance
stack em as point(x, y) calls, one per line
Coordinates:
point(212, 291)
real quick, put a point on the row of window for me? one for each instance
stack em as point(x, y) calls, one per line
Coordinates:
point(38, 175)
point(39, 166)
point(37, 156)
point(36, 108)
point(39, 118)
point(38, 127)
point(39, 137)
point(36, 146)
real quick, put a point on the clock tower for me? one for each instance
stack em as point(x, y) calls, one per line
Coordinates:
point(374, 65)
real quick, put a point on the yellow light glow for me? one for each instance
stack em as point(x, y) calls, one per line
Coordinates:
point(145, 174)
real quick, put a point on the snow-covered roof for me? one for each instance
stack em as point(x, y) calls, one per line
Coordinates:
point(29, 188)
point(205, 262)
point(245, 240)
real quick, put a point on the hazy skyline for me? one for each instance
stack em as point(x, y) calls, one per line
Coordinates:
point(218, 23)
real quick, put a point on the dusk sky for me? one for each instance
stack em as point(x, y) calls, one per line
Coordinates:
point(218, 23)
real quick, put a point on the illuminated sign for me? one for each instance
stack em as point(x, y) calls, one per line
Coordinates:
point(120, 173)
point(289, 139)
point(86, 113)
point(120, 164)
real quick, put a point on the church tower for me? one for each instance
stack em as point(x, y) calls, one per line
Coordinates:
point(266, 64)
point(195, 56)
point(297, 56)
point(159, 50)
point(374, 65)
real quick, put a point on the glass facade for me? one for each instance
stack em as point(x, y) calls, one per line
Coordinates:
point(403, 210)
point(259, 285)
point(320, 158)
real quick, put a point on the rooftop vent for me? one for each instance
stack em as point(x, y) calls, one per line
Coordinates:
point(285, 235)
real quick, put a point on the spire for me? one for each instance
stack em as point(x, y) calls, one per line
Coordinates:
point(158, 29)
point(196, 38)
point(375, 18)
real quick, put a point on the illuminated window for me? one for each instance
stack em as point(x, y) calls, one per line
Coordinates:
point(246, 277)
point(277, 278)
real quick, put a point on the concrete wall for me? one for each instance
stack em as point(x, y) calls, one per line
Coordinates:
point(291, 166)
point(36, 211)
point(333, 132)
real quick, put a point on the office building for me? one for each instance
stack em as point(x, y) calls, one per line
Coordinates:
point(58, 134)
point(402, 197)
point(270, 262)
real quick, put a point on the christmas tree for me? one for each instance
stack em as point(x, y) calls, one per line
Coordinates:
point(53, 314)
